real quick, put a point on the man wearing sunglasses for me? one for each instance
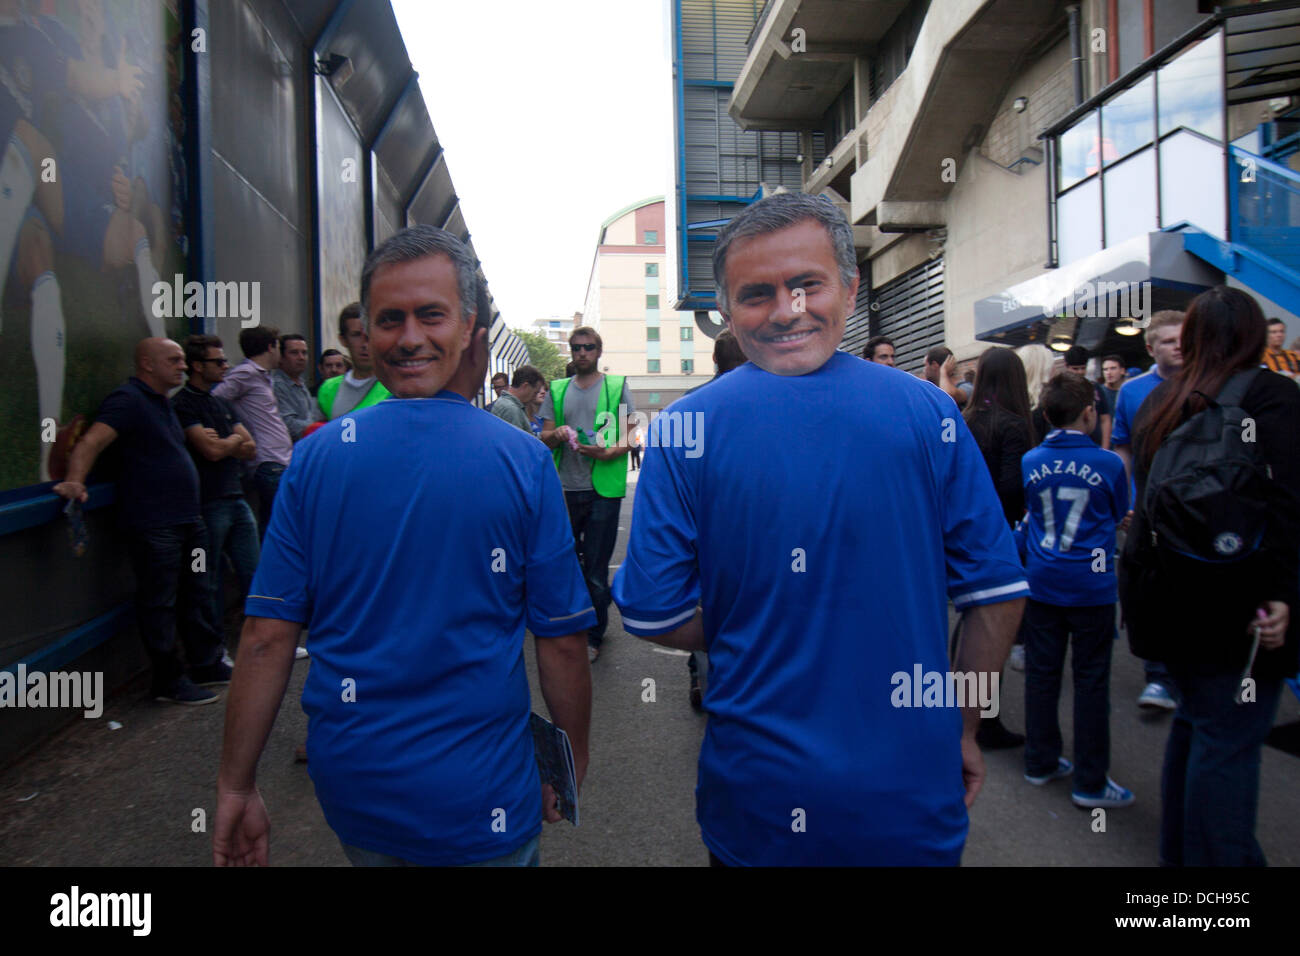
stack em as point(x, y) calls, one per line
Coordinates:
point(218, 442)
point(585, 423)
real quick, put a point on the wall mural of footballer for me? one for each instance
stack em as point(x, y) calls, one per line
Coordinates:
point(92, 188)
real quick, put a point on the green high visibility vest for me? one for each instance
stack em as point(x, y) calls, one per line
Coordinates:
point(329, 391)
point(609, 478)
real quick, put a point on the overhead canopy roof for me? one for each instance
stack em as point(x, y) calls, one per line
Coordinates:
point(1263, 51)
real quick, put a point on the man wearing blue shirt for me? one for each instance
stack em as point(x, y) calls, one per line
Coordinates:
point(823, 546)
point(1076, 494)
point(1162, 339)
point(456, 537)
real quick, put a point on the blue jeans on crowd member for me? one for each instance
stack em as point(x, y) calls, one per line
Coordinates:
point(1048, 628)
point(526, 855)
point(595, 529)
point(266, 479)
point(233, 529)
point(167, 590)
point(1210, 784)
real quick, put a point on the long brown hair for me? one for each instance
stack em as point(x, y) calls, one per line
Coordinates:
point(1223, 333)
point(999, 382)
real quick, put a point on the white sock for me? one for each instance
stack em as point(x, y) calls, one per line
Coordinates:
point(17, 187)
point(148, 276)
point(48, 353)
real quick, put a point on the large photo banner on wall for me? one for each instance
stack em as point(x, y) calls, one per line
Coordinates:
point(92, 186)
point(342, 211)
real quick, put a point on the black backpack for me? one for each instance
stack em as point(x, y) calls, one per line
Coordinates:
point(1207, 495)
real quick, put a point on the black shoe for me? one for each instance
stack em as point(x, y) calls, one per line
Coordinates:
point(993, 736)
point(212, 675)
point(184, 691)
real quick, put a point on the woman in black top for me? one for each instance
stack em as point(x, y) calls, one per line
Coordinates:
point(1198, 617)
point(998, 417)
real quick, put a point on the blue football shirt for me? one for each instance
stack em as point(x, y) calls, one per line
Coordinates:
point(416, 539)
point(1131, 396)
point(1075, 496)
point(823, 538)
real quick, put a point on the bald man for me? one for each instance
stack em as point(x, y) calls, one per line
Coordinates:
point(158, 511)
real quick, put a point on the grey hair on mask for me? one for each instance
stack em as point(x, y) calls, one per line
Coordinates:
point(780, 211)
point(419, 242)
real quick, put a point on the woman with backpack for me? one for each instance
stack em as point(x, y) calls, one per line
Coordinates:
point(1209, 578)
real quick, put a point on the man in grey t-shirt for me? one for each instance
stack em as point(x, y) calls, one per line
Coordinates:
point(512, 405)
point(592, 464)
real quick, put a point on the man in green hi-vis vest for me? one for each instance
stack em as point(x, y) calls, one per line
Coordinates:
point(585, 420)
point(358, 388)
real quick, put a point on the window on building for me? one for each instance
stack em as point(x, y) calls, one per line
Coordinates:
point(652, 302)
point(652, 268)
point(652, 335)
point(688, 333)
point(651, 237)
point(652, 365)
point(688, 365)
point(555, 324)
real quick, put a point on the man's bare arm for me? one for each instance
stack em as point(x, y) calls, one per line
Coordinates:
point(687, 637)
point(1125, 453)
point(98, 437)
point(565, 679)
point(987, 633)
point(256, 689)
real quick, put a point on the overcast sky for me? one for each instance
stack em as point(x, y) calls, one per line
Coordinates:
point(519, 93)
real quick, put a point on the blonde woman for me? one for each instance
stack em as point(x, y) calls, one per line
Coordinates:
point(1038, 361)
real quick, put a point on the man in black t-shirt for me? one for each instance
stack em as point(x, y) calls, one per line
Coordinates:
point(158, 509)
point(218, 442)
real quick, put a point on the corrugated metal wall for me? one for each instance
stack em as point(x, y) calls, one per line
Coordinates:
point(719, 158)
point(911, 313)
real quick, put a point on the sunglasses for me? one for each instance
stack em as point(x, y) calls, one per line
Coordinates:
point(215, 361)
point(584, 346)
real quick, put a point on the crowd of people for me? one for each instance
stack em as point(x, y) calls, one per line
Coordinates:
point(812, 572)
point(1044, 429)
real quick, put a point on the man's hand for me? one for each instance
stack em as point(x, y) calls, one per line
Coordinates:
point(240, 836)
point(72, 490)
point(129, 82)
point(550, 805)
point(1272, 619)
point(601, 454)
point(247, 450)
point(121, 189)
point(1124, 525)
point(972, 767)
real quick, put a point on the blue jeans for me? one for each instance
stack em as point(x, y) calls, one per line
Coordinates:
point(1048, 629)
point(526, 855)
point(1210, 784)
point(168, 592)
point(594, 520)
point(231, 528)
point(267, 482)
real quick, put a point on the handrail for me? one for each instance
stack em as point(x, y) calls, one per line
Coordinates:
point(1269, 165)
point(31, 512)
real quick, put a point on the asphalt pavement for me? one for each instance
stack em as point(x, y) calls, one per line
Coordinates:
point(143, 794)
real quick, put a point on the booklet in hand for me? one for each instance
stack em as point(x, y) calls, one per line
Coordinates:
point(555, 764)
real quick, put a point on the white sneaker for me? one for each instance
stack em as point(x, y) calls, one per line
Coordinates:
point(1017, 658)
point(300, 654)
